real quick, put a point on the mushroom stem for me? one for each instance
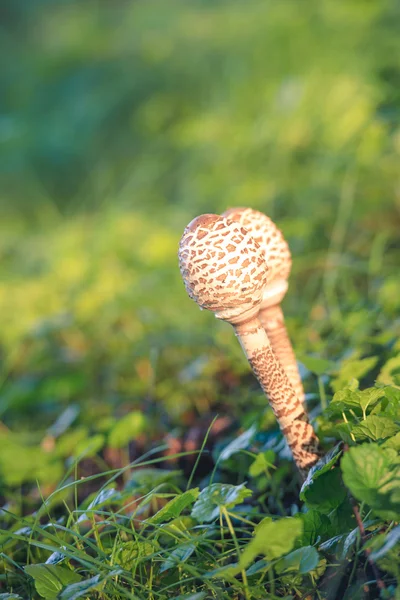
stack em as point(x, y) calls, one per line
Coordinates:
point(273, 321)
point(287, 408)
point(279, 261)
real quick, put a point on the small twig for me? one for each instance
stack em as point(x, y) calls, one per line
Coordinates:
point(379, 582)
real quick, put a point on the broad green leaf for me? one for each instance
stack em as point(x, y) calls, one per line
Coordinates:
point(390, 372)
point(392, 406)
point(91, 446)
point(67, 443)
point(369, 397)
point(316, 528)
point(55, 558)
point(51, 579)
point(227, 572)
point(353, 368)
point(301, 561)
point(178, 556)
point(375, 428)
point(104, 497)
point(81, 589)
point(129, 553)
point(318, 366)
point(175, 529)
point(324, 465)
point(262, 463)
point(332, 545)
point(325, 492)
point(261, 524)
point(240, 443)
point(349, 541)
point(259, 565)
point(344, 430)
point(358, 401)
point(174, 507)
point(390, 541)
point(344, 399)
point(127, 429)
point(77, 590)
point(342, 518)
point(393, 442)
point(145, 480)
point(272, 539)
point(20, 462)
point(372, 475)
point(214, 497)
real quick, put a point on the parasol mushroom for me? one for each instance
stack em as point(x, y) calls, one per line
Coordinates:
point(279, 261)
point(224, 270)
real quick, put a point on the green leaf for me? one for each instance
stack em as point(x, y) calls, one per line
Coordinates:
point(301, 561)
point(216, 496)
point(318, 366)
point(323, 466)
point(349, 399)
point(77, 590)
point(55, 558)
point(390, 541)
point(175, 529)
point(392, 408)
point(390, 372)
point(325, 492)
point(332, 545)
point(51, 579)
point(178, 556)
point(393, 442)
point(174, 507)
point(145, 480)
point(80, 589)
point(104, 497)
point(353, 368)
point(239, 443)
point(375, 428)
point(343, 431)
point(272, 539)
point(127, 429)
point(349, 541)
point(68, 442)
point(262, 463)
point(10, 597)
point(129, 553)
point(257, 567)
point(91, 446)
point(316, 527)
point(20, 462)
point(372, 475)
point(342, 518)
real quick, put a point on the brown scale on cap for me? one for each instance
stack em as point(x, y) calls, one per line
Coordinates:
point(224, 270)
point(264, 231)
point(279, 261)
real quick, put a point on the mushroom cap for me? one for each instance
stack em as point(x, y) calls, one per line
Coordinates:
point(222, 267)
point(269, 237)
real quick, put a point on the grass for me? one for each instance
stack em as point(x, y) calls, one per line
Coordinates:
point(138, 457)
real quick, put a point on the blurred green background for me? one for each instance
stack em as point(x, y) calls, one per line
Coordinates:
point(122, 120)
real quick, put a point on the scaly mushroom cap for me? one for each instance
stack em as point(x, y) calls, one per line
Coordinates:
point(269, 237)
point(223, 268)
